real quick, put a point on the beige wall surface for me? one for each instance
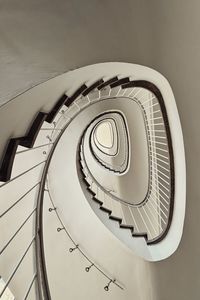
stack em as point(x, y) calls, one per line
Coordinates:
point(39, 39)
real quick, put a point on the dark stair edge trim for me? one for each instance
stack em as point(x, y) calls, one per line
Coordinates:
point(108, 82)
point(92, 87)
point(26, 141)
point(98, 201)
point(92, 193)
point(51, 115)
point(129, 227)
point(29, 139)
point(8, 158)
point(77, 93)
point(108, 211)
point(86, 182)
point(115, 219)
point(124, 226)
point(143, 235)
point(120, 82)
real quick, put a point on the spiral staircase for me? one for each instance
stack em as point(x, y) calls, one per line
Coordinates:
point(53, 133)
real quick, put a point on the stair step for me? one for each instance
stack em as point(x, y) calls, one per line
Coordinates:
point(107, 202)
point(124, 226)
point(105, 92)
point(91, 192)
point(114, 91)
point(51, 115)
point(139, 219)
point(119, 82)
point(116, 209)
point(75, 95)
point(108, 82)
point(72, 111)
point(93, 86)
point(31, 135)
point(82, 102)
point(94, 95)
